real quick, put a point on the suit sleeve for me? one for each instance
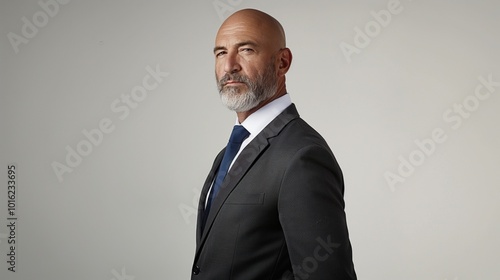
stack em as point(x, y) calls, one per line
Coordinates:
point(311, 212)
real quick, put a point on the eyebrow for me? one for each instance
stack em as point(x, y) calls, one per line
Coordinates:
point(240, 44)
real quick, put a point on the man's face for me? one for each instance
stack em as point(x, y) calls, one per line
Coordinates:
point(245, 66)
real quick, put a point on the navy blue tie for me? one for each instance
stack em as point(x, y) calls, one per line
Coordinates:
point(237, 136)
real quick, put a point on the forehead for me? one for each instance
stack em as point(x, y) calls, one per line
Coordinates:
point(233, 33)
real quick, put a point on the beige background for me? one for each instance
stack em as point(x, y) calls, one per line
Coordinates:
point(125, 211)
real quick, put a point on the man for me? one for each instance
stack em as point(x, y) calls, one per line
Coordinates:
point(278, 213)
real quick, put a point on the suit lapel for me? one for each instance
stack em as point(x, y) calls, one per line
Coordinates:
point(246, 158)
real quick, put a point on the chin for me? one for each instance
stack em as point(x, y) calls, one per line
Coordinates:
point(238, 105)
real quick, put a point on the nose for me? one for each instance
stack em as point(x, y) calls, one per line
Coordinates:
point(231, 64)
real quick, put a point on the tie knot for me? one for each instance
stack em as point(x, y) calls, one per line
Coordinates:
point(239, 134)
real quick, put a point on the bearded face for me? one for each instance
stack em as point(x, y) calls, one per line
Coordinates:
point(248, 93)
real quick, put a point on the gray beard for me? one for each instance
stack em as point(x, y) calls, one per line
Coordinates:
point(262, 89)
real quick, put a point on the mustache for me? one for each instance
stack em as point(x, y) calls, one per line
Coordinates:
point(233, 77)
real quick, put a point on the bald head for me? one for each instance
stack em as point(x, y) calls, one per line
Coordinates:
point(262, 24)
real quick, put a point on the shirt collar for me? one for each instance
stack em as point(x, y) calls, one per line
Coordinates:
point(258, 120)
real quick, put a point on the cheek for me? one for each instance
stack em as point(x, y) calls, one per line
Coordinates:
point(219, 70)
point(250, 70)
point(256, 68)
point(218, 74)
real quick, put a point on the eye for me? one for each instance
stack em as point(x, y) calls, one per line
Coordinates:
point(220, 53)
point(246, 50)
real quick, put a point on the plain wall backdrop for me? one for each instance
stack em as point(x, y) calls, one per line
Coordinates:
point(110, 114)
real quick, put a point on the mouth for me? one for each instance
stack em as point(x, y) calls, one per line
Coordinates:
point(233, 83)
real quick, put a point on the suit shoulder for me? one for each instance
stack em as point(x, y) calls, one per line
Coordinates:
point(296, 136)
point(302, 133)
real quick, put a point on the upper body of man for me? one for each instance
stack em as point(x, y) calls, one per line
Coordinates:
point(278, 213)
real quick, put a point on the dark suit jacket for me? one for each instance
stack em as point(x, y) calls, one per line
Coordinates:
point(279, 213)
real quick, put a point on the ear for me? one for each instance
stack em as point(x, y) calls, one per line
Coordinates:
point(285, 61)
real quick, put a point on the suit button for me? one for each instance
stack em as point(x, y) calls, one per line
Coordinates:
point(196, 270)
